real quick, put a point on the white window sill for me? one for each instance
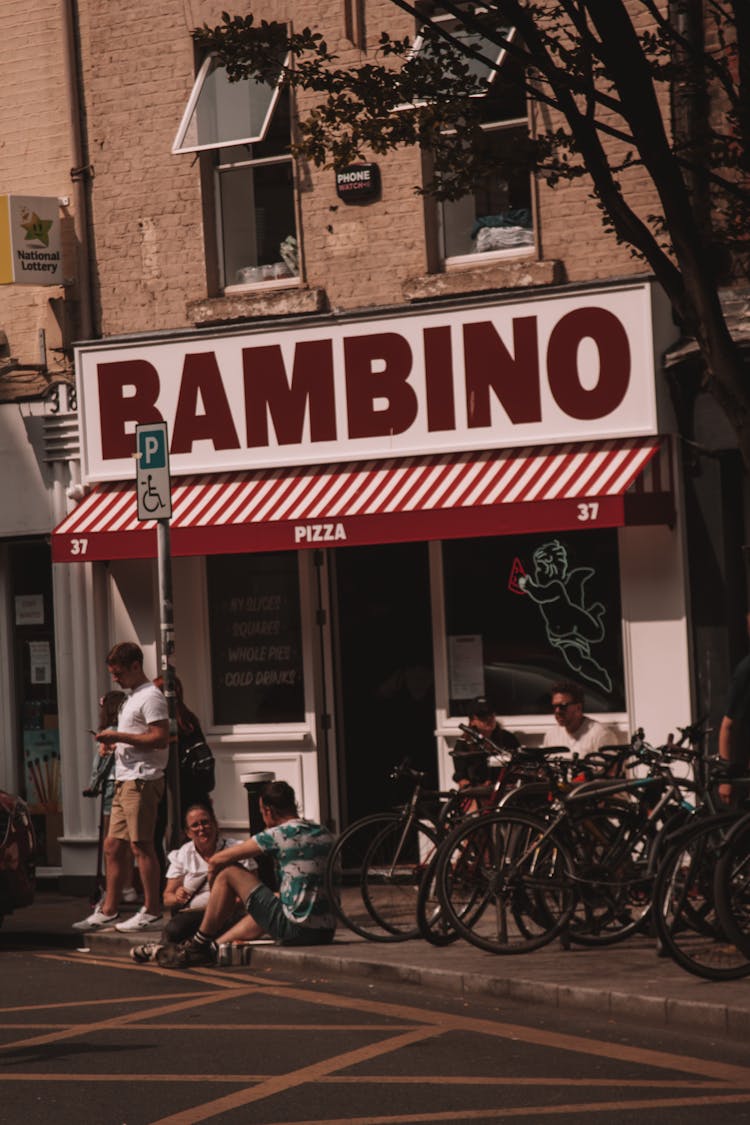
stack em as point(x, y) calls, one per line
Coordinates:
point(262, 286)
point(461, 261)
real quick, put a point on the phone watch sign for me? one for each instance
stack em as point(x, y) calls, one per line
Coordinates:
point(358, 183)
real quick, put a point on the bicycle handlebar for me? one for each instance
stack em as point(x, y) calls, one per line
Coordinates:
point(404, 769)
point(483, 742)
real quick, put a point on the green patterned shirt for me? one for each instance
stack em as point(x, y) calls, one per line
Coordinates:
point(300, 850)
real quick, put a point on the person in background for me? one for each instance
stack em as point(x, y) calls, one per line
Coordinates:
point(734, 732)
point(141, 746)
point(471, 765)
point(575, 731)
point(301, 913)
point(187, 892)
point(195, 758)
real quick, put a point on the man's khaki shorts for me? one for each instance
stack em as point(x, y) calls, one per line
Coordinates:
point(134, 809)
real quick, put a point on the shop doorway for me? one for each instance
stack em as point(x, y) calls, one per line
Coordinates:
point(385, 697)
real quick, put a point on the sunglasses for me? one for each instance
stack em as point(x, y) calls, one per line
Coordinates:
point(562, 706)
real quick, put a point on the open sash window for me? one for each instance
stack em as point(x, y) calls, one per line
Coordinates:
point(243, 130)
point(495, 219)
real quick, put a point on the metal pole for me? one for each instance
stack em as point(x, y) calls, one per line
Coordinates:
point(166, 618)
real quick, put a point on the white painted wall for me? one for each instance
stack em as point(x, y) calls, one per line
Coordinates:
point(27, 480)
point(655, 630)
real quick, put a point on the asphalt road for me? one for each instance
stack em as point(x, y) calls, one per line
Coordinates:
point(107, 1042)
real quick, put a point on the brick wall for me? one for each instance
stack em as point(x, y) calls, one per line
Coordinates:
point(35, 154)
point(146, 204)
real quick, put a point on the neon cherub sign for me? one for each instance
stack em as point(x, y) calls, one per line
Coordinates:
point(572, 625)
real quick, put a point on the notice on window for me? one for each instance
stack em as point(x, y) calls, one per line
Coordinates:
point(29, 609)
point(466, 666)
point(256, 643)
point(40, 661)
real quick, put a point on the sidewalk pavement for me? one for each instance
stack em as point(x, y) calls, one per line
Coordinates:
point(626, 980)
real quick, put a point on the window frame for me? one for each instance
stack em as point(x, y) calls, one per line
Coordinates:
point(459, 261)
point(217, 168)
point(446, 17)
point(207, 67)
point(213, 167)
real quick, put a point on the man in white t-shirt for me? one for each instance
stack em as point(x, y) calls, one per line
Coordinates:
point(576, 731)
point(141, 748)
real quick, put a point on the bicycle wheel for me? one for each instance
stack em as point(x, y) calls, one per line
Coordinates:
point(345, 876)
point(506, 882)
point(392, 873)
point(732, 885)
point(432, 922)
point(685, 915)
point(611, 848)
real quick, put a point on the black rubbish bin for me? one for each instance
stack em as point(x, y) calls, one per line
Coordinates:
point(254, 784)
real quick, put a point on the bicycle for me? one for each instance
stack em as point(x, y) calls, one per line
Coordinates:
point(689, 926)
point(514, 880)
point(514, 769)
point(376, 865)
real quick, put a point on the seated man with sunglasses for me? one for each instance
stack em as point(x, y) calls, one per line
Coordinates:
point(576, 731)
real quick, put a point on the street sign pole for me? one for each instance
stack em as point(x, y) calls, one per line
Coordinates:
point(154, 494)
point(166, 632)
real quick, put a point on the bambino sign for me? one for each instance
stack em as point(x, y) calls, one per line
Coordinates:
point(547, 370)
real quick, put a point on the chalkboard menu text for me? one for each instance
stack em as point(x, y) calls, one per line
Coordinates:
point(256, 641)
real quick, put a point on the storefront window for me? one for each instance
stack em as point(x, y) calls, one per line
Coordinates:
point(36, 687)
point(256, 639)
point(524, 611)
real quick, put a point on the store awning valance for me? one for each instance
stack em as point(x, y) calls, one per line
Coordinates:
point(454, 495)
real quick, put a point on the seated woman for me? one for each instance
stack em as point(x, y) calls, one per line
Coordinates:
point(187, 889)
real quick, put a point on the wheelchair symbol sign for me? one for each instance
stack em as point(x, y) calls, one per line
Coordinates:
point(152, 472)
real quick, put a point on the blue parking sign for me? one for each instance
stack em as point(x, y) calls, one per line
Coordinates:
point(152, 446)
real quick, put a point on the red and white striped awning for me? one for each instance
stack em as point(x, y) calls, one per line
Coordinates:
point(447, 496)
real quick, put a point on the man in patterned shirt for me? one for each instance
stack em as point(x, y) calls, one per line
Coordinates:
point(301, 913)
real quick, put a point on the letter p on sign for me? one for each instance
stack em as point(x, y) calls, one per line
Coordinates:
point(152, 453)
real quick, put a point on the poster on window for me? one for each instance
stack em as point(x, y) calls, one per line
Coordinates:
point(465, 667)
point(40, 662)
point(41, 751)
point(547, 608)
point(256, 641)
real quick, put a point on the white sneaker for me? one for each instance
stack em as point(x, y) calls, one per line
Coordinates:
point(129, 896)
point(139, 922)
point(96, 920)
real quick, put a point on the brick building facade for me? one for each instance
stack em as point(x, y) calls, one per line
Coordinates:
point(164, 258)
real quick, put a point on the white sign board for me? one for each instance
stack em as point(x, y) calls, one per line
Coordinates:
point(553, 368)
point(152, 472)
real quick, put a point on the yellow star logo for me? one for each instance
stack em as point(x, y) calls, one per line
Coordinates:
point(37, 230)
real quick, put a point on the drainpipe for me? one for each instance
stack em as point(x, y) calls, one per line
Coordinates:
point(80, 173)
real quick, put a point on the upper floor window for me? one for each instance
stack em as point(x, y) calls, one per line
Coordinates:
point(244, 130)
point(495, 219)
